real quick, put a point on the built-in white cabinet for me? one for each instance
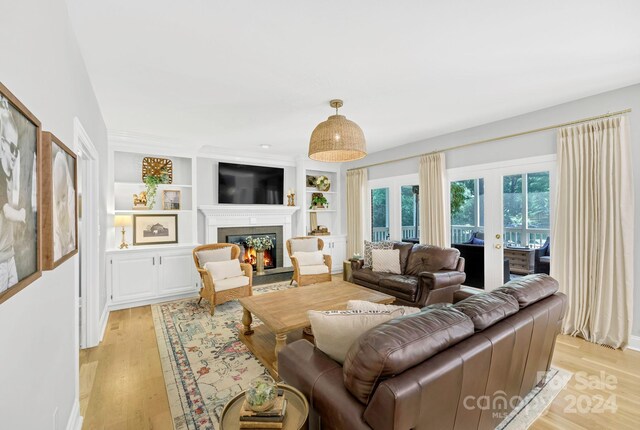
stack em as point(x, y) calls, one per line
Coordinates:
point(336, 246)
point(141, 276)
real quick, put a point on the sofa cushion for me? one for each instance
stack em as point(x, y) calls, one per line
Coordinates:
point(211, 255)
point(369, 276)
point(393, 347)
point(368, 246)
point(336, 331)
point(530, 289)
point(229, 283)
point(427, 258)
point(385, 260)
point(362, 305)
point(405, 250)
point(407, 285)
point(488, 308)
point(476, 241)
point(315, 269)
point(220, 270)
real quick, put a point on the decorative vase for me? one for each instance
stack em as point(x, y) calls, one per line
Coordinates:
point(261, 394)
point(259, 263)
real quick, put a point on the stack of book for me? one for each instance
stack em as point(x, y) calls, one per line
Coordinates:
point(271, 419)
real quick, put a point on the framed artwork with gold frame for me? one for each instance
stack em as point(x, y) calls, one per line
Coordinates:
point(155, 229)
point(20, 194)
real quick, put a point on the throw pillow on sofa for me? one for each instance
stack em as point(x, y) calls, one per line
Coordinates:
point(314, 258)
point(385, 260)
point(368, 246)
point(211, 255)
point(308, 244)
point(361, 305)
point(336, 331)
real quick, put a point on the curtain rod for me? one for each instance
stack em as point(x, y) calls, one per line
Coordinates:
point(493, 139)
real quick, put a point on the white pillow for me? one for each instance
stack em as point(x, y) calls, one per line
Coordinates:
point(314, 258)
point(224, 269)
point(361, 305)
point(386, 260)
point(368, 246)
point(336, 331)
point(211, 255)
point(309, 244)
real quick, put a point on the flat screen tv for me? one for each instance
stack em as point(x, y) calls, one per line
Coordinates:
point(242, 184)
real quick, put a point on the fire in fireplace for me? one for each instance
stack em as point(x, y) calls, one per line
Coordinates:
point(248, 254)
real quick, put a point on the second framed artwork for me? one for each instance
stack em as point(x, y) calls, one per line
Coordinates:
point(155, 229)
point(171, 200)
point(59, 197)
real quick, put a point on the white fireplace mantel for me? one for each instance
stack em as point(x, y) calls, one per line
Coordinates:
point(247, 216)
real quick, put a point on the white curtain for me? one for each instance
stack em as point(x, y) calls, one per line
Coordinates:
point(356, 200)
point(592, 241)
point(433, 213)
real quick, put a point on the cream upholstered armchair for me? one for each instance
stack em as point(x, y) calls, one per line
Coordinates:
point(222, 280)
point(313, 268)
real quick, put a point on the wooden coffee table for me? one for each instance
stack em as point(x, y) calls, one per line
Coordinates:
point(284, 312)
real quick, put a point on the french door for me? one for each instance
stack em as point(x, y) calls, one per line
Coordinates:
point(394, 212)
point(500, 214)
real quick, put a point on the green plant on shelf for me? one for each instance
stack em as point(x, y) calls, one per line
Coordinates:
point(319, 202)
point(152, 182)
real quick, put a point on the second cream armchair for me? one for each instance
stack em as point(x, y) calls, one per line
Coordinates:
point(307, 274)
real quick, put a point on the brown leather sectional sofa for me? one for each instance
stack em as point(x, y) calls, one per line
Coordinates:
point(429, 275)
point(430, 370)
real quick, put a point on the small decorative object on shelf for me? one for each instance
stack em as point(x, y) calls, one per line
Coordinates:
point(320, 230)
point(318, 201)
point(152, 182)
point(323, 183)
point(140, 200)
point(156, 167)
point(262, 393)
point(291, 197)
point(311, 181)
point(259, 244)
point(122, 221)
point(171, 199)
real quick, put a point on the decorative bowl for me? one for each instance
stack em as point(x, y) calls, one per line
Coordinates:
point(261, 394)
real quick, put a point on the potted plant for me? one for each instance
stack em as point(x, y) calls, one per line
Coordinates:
point(323, 183)
point(152, 182)
point(259, 244)
point(318, 201)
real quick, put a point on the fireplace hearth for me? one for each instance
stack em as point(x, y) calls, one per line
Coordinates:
point(248, 254)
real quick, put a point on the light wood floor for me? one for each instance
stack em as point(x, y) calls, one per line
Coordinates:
point(122, 387)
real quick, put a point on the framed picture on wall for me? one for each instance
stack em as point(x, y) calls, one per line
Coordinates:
point(59, 202)
point(20, 224)
point(155, 229)
point(171, 200)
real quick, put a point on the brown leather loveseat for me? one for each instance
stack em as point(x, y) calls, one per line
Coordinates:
point(462, 366)
point(429, 275)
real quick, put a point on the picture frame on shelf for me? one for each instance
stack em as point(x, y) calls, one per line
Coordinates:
point(311, 181)
point(171, 199)
point(20, 194)
point(59, 202)
point(151, 229)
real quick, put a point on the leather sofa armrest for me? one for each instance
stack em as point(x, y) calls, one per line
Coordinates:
point(441, 279)
point(357, 264)
point(321, 380)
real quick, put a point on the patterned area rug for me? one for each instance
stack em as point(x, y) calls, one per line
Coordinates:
point(203, 361)
point(205, 364)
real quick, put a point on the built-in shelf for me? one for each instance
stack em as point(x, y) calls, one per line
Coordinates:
point(149, 212)
point(141, 184)
point(321, 210)
point(323, 192)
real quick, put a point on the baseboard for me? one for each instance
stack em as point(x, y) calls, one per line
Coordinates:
point(75, 420)
point(152, 301)
point(103, 323)
point(634, 343)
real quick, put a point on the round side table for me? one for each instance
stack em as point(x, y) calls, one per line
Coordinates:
point(295, 417)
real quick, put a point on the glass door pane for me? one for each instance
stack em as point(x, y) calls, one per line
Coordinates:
point(410, 214)
point(379, 214)
point(467, 210)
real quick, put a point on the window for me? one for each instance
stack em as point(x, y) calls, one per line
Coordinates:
point(395, 209)
point(379, 214)
point(409, 207)
point(467, 209)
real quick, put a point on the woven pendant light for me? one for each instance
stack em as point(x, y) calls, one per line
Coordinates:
point(337, 139)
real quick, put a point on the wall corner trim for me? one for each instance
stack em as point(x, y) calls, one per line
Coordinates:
point(75, 419)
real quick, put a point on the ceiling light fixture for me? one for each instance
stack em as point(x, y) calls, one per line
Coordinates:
point(337, 139)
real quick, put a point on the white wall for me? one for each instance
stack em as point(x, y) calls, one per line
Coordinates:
point(41, 64)
point(520, 147)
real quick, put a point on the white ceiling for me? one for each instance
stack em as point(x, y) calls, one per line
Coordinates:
point(236, 74)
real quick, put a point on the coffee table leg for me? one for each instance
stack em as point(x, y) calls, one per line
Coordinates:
point(246, 321)
point(281, 341)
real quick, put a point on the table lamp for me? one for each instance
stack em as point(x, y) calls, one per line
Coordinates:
point(123, 221)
